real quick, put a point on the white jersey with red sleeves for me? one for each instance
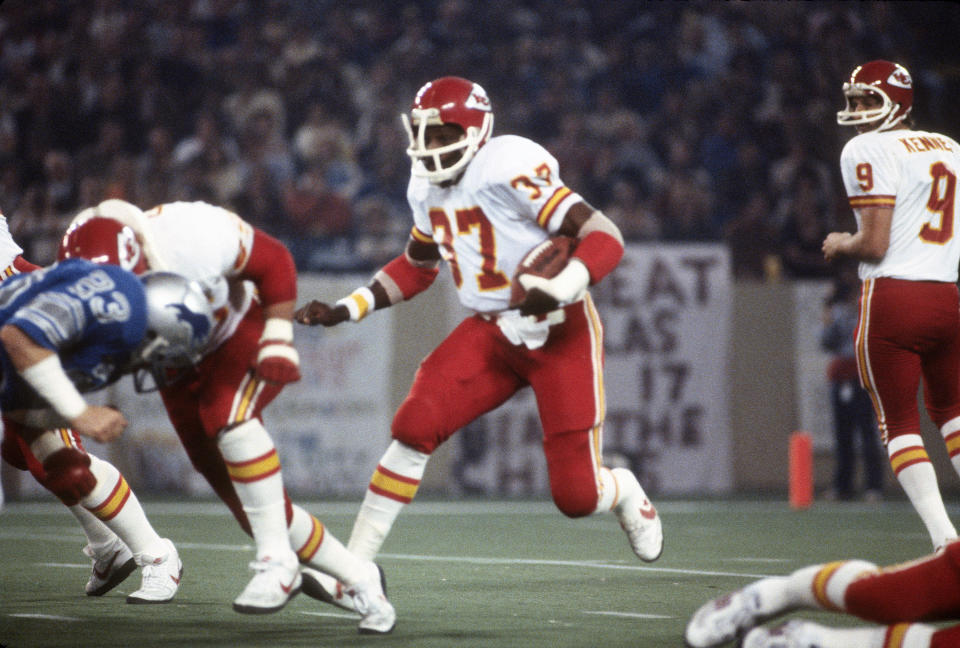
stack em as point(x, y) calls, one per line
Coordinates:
point(209, 244)
point(915, 172)
point(9, 250)
point(509, 199)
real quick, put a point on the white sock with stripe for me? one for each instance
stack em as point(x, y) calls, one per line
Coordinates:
point(254, 468)
point(393, 485)
point(114, 503)
point(916, 475)
point(98, 534)
point(951, 437)
point(614, 489)
point(318, 548)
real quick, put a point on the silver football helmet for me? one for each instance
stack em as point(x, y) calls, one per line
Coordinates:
point(180, 322)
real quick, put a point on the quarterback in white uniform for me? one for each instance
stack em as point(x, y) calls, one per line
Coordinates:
point(216, 410)
point(480, 204)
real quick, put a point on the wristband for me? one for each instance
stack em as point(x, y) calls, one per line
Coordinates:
point(49, 380)
point(277, 329)
point(358, 303)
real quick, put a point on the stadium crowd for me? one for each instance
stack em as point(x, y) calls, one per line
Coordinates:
point(682, 121)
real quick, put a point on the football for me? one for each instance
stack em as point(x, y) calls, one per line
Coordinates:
point(545, 260)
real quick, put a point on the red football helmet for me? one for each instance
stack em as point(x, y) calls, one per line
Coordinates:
point(104, 240)
point(889, 81)
point(448, 100)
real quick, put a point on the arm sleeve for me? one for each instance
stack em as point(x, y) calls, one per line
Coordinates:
point(272, 269)
point(600, 246)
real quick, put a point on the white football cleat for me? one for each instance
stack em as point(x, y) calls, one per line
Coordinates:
point(161, 576)
point(639, 519)
point(724, 619)
point(274, 583)
point(370, 599)
point(791, 634)
point(111, 566)
point(326, 588)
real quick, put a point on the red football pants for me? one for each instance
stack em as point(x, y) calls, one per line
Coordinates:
point(475, 369)
point(908, 329)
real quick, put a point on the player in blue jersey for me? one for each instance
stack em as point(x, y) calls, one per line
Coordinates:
point(77, 327)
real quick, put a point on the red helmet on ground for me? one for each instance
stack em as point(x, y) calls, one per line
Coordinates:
point(448, 100)
point(104, 240)
point(885, 79)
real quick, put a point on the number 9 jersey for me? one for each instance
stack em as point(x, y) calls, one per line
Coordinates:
point(915, 173)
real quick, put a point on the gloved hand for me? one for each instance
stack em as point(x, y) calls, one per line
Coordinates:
point(277, 359)
point(544, 295)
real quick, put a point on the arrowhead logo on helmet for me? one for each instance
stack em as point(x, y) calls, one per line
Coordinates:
point(448, 100)
point(884, 79)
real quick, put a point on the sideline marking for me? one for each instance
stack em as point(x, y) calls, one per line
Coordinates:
point(631, 615)
point(49, 617)
point(335, 615)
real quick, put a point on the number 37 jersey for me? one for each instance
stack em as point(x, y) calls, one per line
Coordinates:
point(915, 173)
point(509, 199)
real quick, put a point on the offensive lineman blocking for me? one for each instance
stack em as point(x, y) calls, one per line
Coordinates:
point(480, 204)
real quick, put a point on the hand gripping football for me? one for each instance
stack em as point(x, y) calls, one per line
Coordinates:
point(545, 260)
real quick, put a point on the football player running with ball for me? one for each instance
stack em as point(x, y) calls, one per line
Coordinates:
point(481, 203)
point(902, 186)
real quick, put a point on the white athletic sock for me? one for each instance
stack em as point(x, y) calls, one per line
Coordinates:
point(318, 548)
point(903, 635)
point(916, 475)
point(98, 534)
point(393, 486)
point(951, 437)
point(814, 634)
point(113, 503)
point(254, 468)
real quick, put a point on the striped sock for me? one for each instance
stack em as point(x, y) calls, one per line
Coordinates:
point(393, 486)
point(254, 468)
point(916, 475)
point(318, 548)
point(114, 503)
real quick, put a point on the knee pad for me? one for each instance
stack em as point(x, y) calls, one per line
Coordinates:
point(418, 425)
point(68, 475)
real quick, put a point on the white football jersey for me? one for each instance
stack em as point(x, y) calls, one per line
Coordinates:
point(209, 244)
point(915, 172)
point(9, 250)
point(509, 199)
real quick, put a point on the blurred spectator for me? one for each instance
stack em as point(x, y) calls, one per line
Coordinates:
point(314, 209)
point(705, 110)
point(752, 240)
point(637, 222)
